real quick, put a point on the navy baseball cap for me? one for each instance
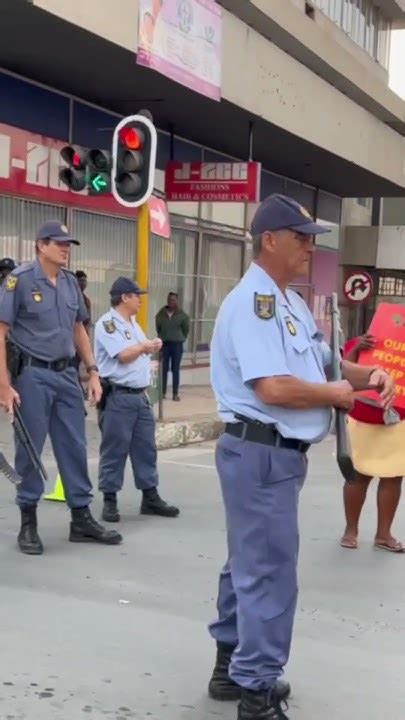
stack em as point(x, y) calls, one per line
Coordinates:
point(55, 230)
point(279, 212)
point(125, 286)
point(7, 264)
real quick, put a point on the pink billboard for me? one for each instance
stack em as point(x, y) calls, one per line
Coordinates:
point(182, 39)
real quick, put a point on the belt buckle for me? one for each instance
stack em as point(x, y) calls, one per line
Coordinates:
point(60, 365)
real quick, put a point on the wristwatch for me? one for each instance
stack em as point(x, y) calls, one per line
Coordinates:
point(92, 368)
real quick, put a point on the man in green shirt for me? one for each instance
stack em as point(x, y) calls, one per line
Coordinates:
point(172, 325)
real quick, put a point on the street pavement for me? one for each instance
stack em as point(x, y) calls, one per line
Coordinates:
point(114, 633)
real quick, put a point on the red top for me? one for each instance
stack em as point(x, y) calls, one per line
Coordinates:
point(361, 411)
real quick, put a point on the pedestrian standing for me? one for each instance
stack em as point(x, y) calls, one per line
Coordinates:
point(269, 381)
point(377, 451)
point(126, 416)
point(42, 313)
point(173, 326)
point(82, 280)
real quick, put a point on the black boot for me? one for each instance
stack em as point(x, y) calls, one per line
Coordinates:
point(110, 508)
point(29, 541)
point(152, 504)
point(84, 528)
point(222, 687)
point(262, 705)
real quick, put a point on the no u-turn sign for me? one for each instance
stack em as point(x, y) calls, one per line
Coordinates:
point(358, 286)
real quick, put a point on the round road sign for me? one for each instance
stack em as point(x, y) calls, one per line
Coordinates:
point(358, 286)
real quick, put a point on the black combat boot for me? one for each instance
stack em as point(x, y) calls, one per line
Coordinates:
point(152, 504)
point(222, 687)
point(84, 528)
point(110, 508)
point(262, 705)
point(29, 541)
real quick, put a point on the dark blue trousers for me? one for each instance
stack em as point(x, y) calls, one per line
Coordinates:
point(172, 353)
point(127, 427)
point(258, 585)
point(52, 402)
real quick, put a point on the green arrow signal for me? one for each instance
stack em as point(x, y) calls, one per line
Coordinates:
point(99, 183)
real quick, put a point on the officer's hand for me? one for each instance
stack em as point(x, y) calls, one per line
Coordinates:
point(9, 396)
point(151, 347)
point(94, 390)
point(343, 394)
point(385, 385)
point(157, 344)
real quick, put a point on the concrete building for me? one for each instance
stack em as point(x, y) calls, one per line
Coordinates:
point(304, 88)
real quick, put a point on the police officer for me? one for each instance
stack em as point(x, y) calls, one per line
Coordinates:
point(42, 313)
point(127, 422)
point(7, 265)
point(269, 381)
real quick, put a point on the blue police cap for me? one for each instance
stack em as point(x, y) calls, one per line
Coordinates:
point(125, 286)
point(279, 212)
point(7, 264)
point(55, 230)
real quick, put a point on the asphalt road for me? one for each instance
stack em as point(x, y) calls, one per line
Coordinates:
point(120, 632)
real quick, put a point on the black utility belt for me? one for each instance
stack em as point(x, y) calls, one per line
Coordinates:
point(263, 434)
point(126, 389)
point(55, 365)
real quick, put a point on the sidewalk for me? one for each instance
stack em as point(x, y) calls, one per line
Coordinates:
point(192, 420)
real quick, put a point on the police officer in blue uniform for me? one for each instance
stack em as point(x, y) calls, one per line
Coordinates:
point(126, 417)
point(267, 370)
point(41, 318)
point(7, 265)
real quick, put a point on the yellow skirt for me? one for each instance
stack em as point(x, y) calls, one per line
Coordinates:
point(378, 450)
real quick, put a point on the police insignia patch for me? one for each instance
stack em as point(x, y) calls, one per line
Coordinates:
point(109, 326)
point(37, 296)
point(291, 327)
point(127, 334)
point(11, 282)
point(265, 306)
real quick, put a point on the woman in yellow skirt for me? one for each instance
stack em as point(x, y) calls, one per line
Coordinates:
point(378, 450)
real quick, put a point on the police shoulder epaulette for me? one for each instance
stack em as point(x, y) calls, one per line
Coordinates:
point(70, 273)
point(23, 268)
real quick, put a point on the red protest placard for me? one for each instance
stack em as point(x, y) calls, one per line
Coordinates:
point(388, 327)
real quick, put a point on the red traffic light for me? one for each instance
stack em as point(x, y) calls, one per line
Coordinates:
point(76, 160)
point(130, 137)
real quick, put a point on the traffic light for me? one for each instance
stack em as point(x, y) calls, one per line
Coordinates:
point(74, 175)
point(99, 178)
point(86, 168)
point(134, 159)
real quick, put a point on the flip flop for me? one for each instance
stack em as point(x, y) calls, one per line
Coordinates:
point(350, 543)
point(396, 548)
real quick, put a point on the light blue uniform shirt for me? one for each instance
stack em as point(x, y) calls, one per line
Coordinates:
point(42, 316)
point(246, 347)
point(112, 335)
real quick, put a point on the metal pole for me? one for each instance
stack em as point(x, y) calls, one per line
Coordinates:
point(251, 126)
point(160, 394)
point(142, 263)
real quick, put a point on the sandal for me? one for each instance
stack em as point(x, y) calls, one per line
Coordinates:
point(393, 546)
point(349, 542)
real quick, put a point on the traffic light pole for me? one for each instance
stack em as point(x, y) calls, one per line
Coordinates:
point(142, 263)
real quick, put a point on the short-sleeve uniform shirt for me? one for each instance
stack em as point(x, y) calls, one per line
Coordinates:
point(112, 335)
point(262, 332)
point(41, 315)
